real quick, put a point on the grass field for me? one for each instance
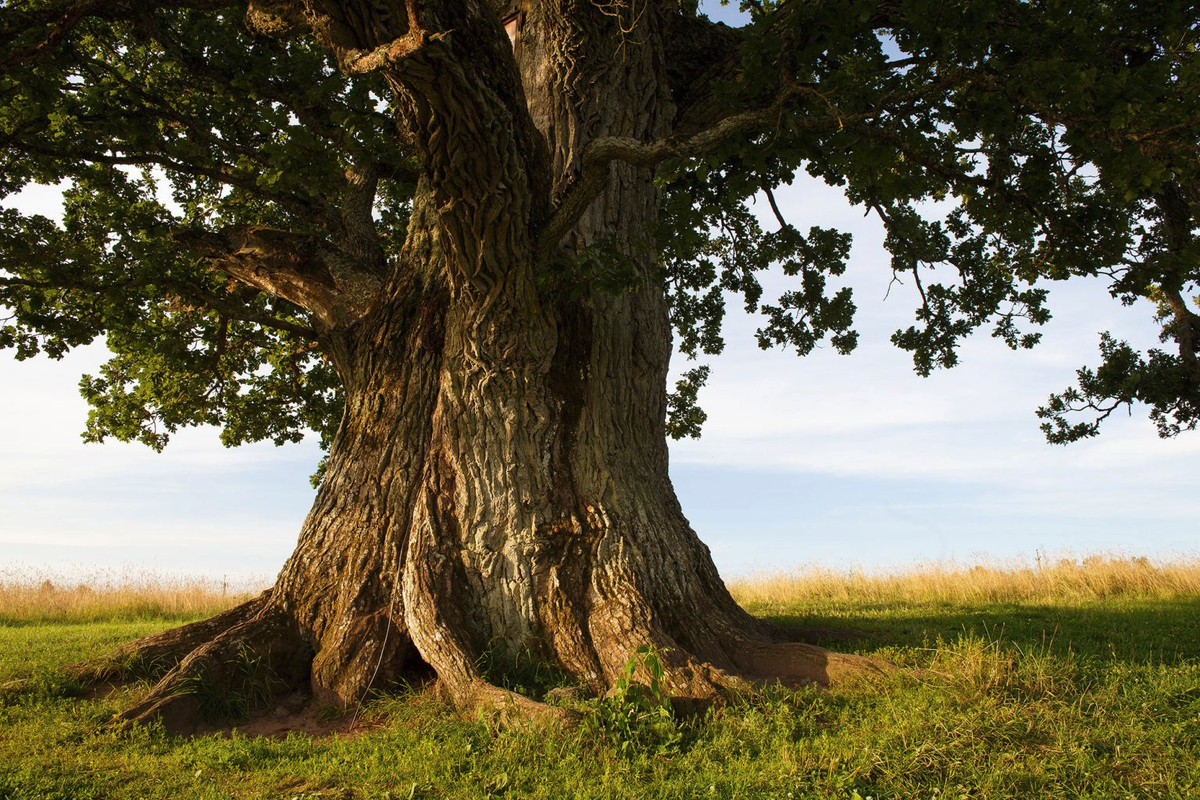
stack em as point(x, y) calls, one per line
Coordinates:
point(1072, 679)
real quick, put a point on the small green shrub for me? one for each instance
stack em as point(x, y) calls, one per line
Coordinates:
point(637, 716)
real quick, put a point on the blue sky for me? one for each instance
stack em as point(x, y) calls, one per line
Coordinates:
point(856, 460)
point(845, 461)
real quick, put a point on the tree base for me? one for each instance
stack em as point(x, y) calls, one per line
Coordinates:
point(250, 668)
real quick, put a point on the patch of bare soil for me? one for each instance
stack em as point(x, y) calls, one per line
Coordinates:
point(102, 690)
point(294, 713)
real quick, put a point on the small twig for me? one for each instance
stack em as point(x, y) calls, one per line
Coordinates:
point(783, 223)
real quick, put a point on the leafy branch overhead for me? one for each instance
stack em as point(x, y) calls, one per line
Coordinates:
point(238, 187)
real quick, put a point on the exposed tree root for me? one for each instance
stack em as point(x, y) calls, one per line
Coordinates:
point(235, 663)
point(508, 708)
point(796, 664)
point(241, 659)
point(691, 683)
point(155, 654)
point(248, 658)
point(695, 685)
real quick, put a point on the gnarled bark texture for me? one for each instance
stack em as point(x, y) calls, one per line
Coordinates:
point(499, 482)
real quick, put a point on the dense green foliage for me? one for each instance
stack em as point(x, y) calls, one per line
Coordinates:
point(170, 123)
point(1003, 144)
point(1037, 698)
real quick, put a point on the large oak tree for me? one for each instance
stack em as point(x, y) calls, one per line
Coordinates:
point(455, 238)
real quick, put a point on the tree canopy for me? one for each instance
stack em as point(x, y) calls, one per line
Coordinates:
point(1003, 145)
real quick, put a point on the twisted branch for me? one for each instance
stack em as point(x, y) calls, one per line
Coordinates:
point(303, 270)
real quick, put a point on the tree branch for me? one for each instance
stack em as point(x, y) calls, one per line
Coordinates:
point(364, 62)
point(703, 59)
point(317, 118)
point(602, 152)
point(892, 229)
point(193, 294)
point(242, 314)
point(298, 204)
point(783, 223)
point(303, 270)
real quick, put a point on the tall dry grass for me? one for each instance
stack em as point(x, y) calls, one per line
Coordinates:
point(36, 596)
point(1089, 578)
point(32, 596)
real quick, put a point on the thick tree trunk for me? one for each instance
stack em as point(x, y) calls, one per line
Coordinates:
point(499, 486)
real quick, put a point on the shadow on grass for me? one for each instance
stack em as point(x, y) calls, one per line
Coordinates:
point(1135, 632)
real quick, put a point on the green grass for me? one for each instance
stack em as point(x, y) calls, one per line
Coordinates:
point(1062, 698)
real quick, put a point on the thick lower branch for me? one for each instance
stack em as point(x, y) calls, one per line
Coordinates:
point(358, 62)
point(300, 269)
point(235, 672)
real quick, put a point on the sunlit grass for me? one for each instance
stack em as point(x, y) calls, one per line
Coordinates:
point(32, 596)
point(1074, 678)
point(1094, 577)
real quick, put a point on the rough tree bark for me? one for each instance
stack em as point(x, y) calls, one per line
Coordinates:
point(499, 482)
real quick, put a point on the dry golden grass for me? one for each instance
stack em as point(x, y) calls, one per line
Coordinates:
point(31, 596)
point(1089, 578)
